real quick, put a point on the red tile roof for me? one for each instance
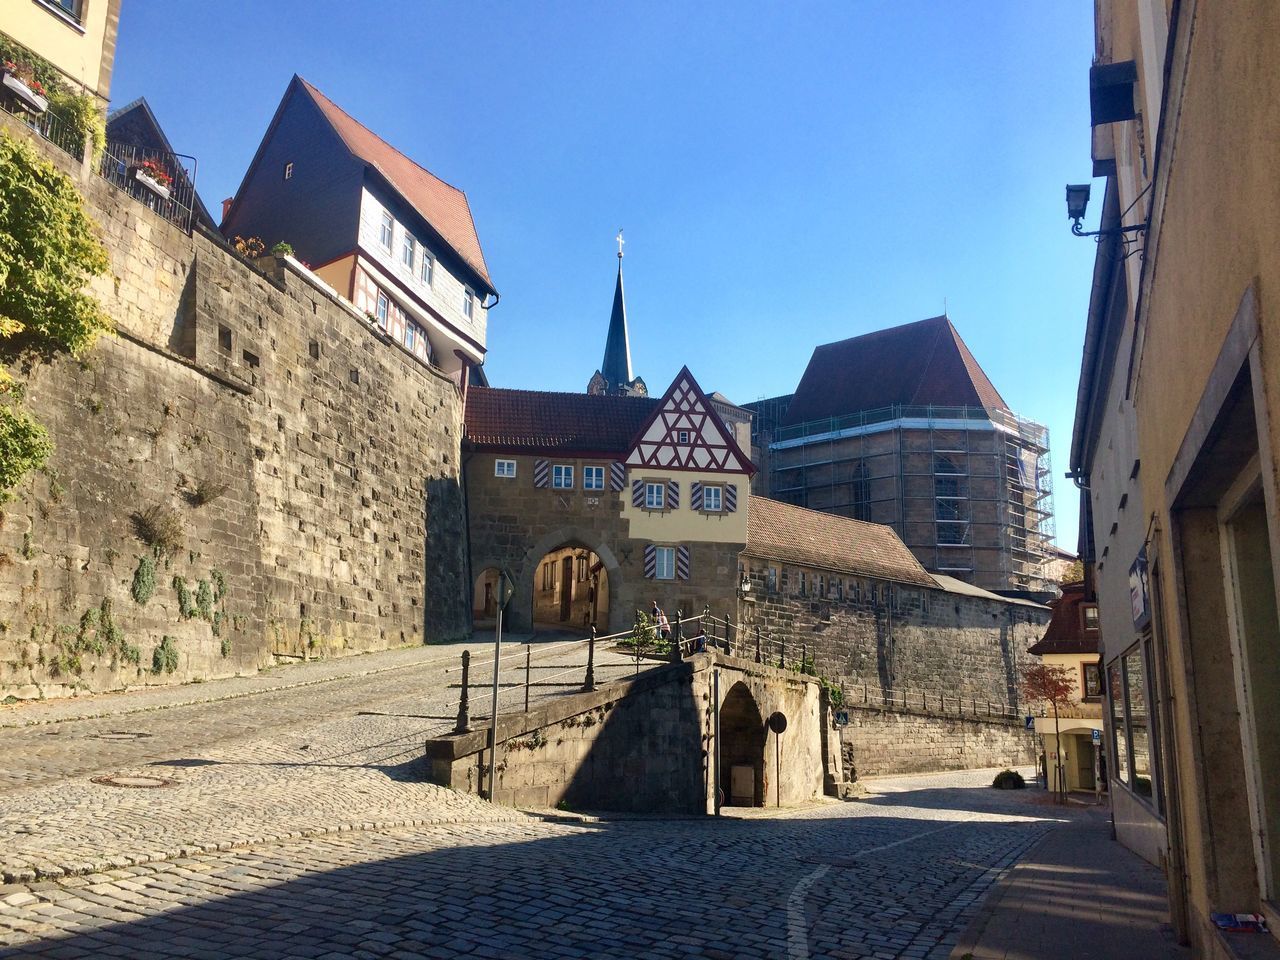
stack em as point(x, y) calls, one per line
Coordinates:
point(916, 364)
point(1066, 633)
point(535, 421)
point(780, 531)
point(441, 205)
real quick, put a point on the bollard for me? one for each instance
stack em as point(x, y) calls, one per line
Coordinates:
point(758, 660)
point(528, 658)
point(464, 724)
point(782, 651)
point(590, 683)
point(677, 653)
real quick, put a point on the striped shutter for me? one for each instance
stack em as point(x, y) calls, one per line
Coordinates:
point(673, 495)
point(730, 497)
point(695, 495)
point(541, 473)
point(650, 561)
point(637, 493)
point(682, 563)
point(617, 476)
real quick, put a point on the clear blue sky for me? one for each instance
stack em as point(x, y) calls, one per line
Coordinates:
point(786, 174)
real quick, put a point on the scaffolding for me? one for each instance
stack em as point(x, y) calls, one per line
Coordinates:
point(968, 490)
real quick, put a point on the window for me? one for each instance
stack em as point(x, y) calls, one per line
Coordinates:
point(384, 307)
point(468, 303)
point(1089, 612)
point(771, 580)
point(840, 588)
point(593, 478)
point(72, 8)
point(582, 569)
point(408, 250)
point(1091, 681)
point(655, 496)
point(684, 436)
point(666, 568)
point(804, 583)
point(414, 336)
point(385, 230)
point(948, 509)
point(822, 585)
point(288, 171)
point(1135, 691)
point(428, 270)
point(711, 499)
point(504, 468)
point(953, 534)
point(562, 476)
point(1120, 738)
point(547, 579)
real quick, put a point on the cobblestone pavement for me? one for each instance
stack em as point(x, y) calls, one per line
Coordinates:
point(895, 875)
point(320, 752)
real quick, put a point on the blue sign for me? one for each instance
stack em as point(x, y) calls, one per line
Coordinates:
point(1097, 736)
point(1031, 722)
point(842, 718)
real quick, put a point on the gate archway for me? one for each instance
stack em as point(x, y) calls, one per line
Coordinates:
point(742, 742)
point(571, 589)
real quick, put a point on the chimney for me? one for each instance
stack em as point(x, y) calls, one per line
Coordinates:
point(226, 207)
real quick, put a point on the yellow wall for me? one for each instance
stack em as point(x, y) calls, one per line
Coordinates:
point(78, 53)
point(1075, 662)
point(338, 274)
point(686, 524)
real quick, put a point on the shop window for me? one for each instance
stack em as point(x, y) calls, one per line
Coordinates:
point(1135, 690)
point(1119, 733)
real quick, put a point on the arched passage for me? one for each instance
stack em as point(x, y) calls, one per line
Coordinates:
point(484, 595)
point(571, 588)
point(530, 574)
point(742, 741)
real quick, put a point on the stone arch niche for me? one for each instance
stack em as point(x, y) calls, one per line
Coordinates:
point(484, 596)
point(742, 743)
point(534, 605)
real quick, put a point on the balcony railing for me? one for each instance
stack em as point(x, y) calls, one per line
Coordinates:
point(120, 166)
point(49, 125)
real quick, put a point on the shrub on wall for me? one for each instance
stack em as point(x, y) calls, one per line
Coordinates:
point(49, 251)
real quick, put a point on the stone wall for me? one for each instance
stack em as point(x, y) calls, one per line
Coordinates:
point(895, 637)
point(308, 467)
point(878, 742)
point(646, 745)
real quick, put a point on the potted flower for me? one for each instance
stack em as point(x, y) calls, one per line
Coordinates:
point(152, 175)
point(20, 80)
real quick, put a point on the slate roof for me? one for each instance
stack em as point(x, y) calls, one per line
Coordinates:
point(1065, 632)
point(135, 124)
point(780, 531)
point(916, 364)
point(443, 206)
point(536, 421)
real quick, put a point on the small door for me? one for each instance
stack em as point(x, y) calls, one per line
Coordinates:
point(566, 587)
point(742, 785)
point(1084, 763)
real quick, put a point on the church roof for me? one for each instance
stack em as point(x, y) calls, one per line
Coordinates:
point(616, 367)
point(443, 206)
point(917, 364)
point(780, 531)
point(537, 421)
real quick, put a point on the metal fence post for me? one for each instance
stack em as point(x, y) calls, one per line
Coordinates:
point(528, 663)
point(589, 683)
point(804, 656)
point(464, 723)
point(728, 629)
point(758, 660)
point(782, 651)
point(677, 653)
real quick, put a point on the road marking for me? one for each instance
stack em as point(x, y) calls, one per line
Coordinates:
point(797, 928)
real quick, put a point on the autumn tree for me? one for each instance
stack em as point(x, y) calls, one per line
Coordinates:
point(1042, 683)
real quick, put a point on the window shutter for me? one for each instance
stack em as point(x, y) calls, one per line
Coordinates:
point(673, 495)
point(650, 561)
point(682, 563)
point(637, 493)
point(730, 497)
point(695, 495)
point(541, 473)
point(617, 476)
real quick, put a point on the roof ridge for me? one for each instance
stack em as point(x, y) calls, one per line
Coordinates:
point(820, 513)
point(316, 91)
point(557, 393)
point(881, 332)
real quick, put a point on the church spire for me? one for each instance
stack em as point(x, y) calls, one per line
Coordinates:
point(615, 376)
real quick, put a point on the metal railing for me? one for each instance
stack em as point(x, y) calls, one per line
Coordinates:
point(50, 126)
point(120, 166)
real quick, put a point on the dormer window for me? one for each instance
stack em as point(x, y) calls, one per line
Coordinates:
point(468, 302)
point(385, 231)
point(408, 250)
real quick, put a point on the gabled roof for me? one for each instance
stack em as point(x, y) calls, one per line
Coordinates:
point(916, 364)
point(1066, 633)
point(709, 444)
point(135, 124)
point(534, 421)
point(780, 531)
point(443, 206)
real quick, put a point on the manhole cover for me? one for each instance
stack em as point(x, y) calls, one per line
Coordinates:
point(120, 735)
point(138, 782)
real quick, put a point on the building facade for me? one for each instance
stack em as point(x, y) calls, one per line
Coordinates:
point(1186, 107)
point(902, 427)
point(385, 233)
point(75, 37)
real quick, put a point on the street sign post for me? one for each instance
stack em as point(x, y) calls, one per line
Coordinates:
point(504, 595)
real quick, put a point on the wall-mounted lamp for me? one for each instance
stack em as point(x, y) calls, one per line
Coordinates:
point(1078, 202)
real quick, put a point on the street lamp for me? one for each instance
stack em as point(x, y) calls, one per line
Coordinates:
point(1078, 202)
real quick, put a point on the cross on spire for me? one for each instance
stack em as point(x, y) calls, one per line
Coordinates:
point(620, 242)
